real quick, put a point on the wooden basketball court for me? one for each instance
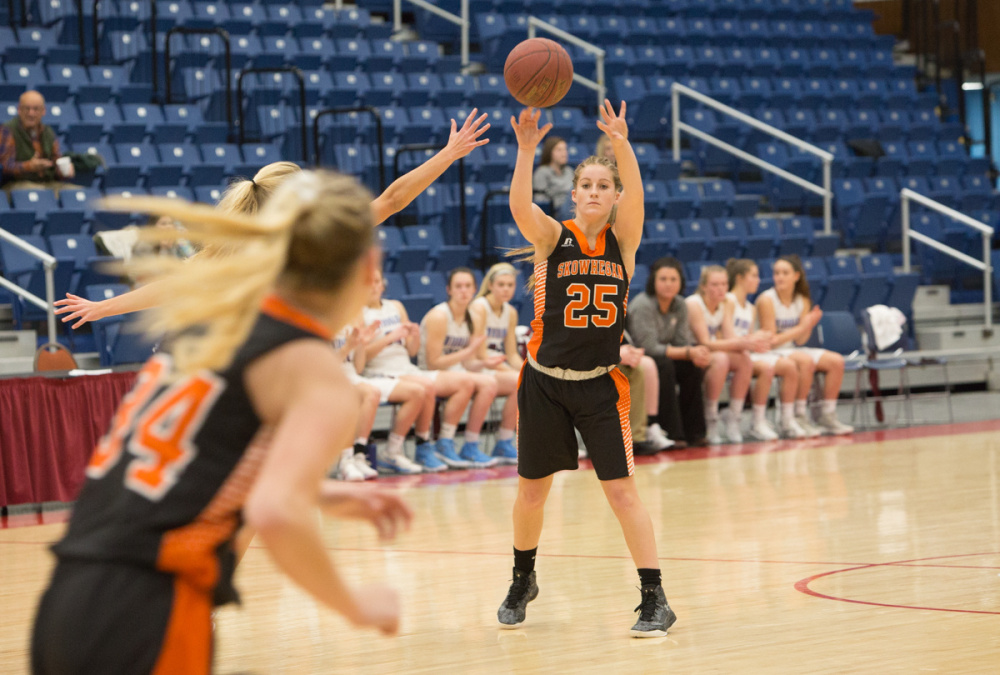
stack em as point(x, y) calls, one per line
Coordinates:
point(877, 553)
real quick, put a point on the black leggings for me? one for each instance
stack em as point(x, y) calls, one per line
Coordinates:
point(684, 419)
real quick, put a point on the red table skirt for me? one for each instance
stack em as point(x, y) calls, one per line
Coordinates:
point(48, 429)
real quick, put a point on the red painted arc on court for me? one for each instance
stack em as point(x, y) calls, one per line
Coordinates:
point(803, 585)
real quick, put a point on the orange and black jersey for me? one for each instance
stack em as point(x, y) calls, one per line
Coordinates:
point(581, 295)
point(166, 485)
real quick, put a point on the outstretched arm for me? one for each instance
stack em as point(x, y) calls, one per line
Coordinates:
point(631, 203)
point(405, 189)
point(537, 227)
point(84, 310)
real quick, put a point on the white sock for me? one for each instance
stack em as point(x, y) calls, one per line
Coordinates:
point(348, 453)
point(759, 413)
point(471, 436)
point(505, 434)
point(448, 431)
point(361, 440)
point(423, 436)
point(395, 447)
point(736, 407)
point(787, 411)
point(711, 409)
point(829, 405)
point(801, 408)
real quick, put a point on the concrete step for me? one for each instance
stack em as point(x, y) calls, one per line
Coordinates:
point(971, 336)
point(17, 344)
point(932, 296)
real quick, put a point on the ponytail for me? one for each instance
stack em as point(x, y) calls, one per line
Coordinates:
point(308, 236)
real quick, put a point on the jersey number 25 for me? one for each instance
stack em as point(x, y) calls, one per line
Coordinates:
point(581, 298)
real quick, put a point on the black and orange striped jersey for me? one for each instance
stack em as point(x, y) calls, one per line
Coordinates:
point(581, 296)
point(166, 485)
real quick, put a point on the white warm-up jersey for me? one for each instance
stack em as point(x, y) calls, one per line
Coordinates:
point(712, 319)
point(496, 326)
point(393, 360)
point(456, 336)
point(743, 316)
point(786, 317)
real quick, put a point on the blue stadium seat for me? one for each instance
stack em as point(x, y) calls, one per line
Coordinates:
point(400, 256)
point(660, 239)
point(427, 283)
point(696, 240)
point(731, 235)
point(445, 256)
point(762, 238)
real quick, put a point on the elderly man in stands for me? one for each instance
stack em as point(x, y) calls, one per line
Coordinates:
point(29, 149)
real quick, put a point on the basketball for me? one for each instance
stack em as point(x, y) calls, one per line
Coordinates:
point(538, 72)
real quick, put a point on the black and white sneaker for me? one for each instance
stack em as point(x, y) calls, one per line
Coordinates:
point(655, 615)
point(523, 590)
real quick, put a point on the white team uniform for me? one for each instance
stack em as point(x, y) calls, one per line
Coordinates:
point(787, 317)
point(744, 317)
point(393, 361)
point(385, 385)
point(713, 320)
point(496, 326)
point(457, 336)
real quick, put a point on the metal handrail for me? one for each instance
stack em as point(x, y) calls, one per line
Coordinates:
point(484, 220)
point(371, 110)
point(825, 191)
point(224, 36)
point(49, 263)
point(302, 101)
point(462, 219)
point(600, 85)
point(906, 195)
point(461, 21)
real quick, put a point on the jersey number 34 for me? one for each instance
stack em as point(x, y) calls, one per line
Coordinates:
point(159, 424)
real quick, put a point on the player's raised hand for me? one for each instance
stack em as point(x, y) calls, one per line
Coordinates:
point(614, 125)
point(526, 128)
point(463, 141)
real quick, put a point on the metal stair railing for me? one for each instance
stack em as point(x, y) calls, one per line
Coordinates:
point(907, 195)
point(462, 21)
point(49, 264)
point(825, 190)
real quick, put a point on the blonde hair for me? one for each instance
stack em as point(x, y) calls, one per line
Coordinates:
point(308, 237)
point(491, 274)
point(248, 195)
point(706, 272)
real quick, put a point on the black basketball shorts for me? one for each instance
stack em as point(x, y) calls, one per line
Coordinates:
point(548, 410)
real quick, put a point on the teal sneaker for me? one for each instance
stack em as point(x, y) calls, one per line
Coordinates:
point(505, 452)
point(446, 453)
point(472, 454)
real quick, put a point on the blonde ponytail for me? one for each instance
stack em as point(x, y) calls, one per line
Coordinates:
point(308, 236)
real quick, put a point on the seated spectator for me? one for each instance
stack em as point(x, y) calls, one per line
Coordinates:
point(787, 311)
point(553, 179)
point(451, 342)
point(658, 323)
point(29, 150)
point(744, 279)
point(644, 391)
point(389, 354)
point(492, 312)
point(179, 248)
point(416, 401)
point(708, 311)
